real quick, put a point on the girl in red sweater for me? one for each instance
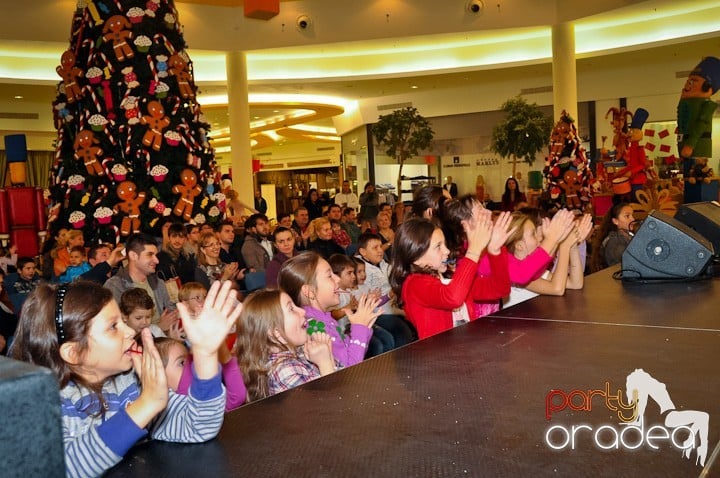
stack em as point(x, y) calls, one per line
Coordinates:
point(432, 303)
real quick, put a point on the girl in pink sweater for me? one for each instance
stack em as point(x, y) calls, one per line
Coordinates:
point(568, 272)
point(531, 266)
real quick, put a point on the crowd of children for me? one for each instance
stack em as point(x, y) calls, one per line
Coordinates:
point(171, 342)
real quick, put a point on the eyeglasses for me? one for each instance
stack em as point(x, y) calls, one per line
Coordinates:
point(214, 244)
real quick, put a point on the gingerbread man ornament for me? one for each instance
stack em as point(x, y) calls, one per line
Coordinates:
point(157, 122)
point(87, 152)
point(117, 31)
point(70, 74)
point(188, 190)
point(571, 186)
point(130, 202)
point(179, 69)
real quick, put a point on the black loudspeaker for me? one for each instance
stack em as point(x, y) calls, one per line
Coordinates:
point(665, 248)
point(31, 441)
point(703, 217)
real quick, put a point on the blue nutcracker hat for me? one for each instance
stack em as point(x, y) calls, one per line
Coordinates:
point(709, 69)
point(639, 118)
point(16, 148)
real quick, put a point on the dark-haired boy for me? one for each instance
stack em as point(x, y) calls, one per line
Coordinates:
point(19, 284)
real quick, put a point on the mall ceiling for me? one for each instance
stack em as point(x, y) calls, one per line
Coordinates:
point(354, 50)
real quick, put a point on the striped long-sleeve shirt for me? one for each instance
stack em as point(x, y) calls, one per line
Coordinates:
point(96, 442)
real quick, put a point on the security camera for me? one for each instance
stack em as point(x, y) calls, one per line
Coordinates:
point(302, 22)
point(475, 6)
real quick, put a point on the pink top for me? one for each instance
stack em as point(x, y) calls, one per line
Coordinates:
point(521, 271)
point(231, 378)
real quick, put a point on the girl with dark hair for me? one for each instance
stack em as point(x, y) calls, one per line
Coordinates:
point(77, 331)
point(612, 237)
point(274, 348)
point(420, 260)
point(521, 271)
point(428, 201)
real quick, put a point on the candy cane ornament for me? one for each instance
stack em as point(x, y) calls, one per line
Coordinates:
point(107, 96)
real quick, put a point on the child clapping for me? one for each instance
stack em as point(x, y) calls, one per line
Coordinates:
point(274, 349)
point(112, 393)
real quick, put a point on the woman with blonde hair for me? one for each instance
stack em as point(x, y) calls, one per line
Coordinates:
point(321, 238)
point(61, 253)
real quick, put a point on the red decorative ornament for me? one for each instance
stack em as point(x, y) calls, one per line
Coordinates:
point(256, 166)
point(261, 9)
point(429, 160)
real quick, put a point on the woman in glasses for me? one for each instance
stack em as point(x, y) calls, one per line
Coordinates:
point(210, 268)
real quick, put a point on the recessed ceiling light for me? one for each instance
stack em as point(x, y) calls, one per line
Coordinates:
point(414, 87)
point(256, 117)
point(276, 111)
point(18, 97)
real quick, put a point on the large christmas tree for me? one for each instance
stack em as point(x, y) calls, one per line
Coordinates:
point(132, 144)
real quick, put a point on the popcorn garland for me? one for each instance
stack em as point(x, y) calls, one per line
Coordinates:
point(115, 84)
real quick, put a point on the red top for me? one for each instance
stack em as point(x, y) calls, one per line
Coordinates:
point(429, 303)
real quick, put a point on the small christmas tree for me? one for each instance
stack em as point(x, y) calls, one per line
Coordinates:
point(567, 169)
point(132, 144)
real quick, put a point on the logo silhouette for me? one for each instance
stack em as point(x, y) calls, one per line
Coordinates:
point(645, 386)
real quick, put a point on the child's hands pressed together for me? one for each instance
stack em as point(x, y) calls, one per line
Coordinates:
point(500, 233)
point(479, 231)
point(318, 349)
point(154, 395)
point(557, 229)
point(365, 313)
point(208, 330)
point(584, 228)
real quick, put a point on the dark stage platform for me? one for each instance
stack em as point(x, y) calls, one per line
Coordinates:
point(473, 401)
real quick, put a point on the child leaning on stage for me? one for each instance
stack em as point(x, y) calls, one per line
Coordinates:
point(77, 331)
point(309, 281)
point(274, 348)
point(192, 295)
point(569, 270)
point(432, 304)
